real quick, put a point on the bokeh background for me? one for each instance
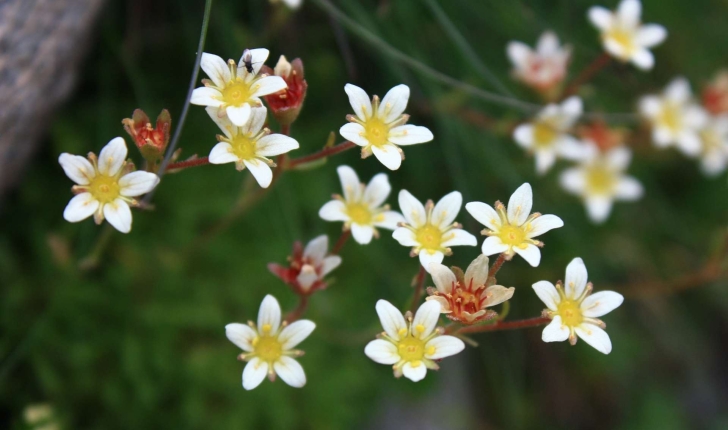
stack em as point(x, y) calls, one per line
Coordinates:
point(137, 340)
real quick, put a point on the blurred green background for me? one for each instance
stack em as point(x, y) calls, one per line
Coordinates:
point(139, 342)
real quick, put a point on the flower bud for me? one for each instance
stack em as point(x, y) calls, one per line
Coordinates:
point(715, 94)
point(286, 103)
point(151, 141)
point(307, 266)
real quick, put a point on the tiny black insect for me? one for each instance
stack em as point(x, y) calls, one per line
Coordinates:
point(247, 60)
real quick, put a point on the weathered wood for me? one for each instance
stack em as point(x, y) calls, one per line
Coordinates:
point(42, 43)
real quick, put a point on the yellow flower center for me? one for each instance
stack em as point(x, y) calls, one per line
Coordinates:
point(376, 131)
point(512, 235)
point(670, 117)
point(411, 349)
point(359, 213)
point(625, 38)
point(267, 348)
point(544, 134)
point(429, 237)
point(570, 313)
point(600, 180)
point(104, 188)
point(244, 147)
point(237, 93)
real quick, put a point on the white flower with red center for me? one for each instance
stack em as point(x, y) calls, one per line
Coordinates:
point(574, 310)
point(249, 146)
point(600, 180)
point(268, 346)
point(511, 230)
point(308, 266)
point(714, 145)
point(381, 128)
point(547, 136)
point(234, 90)
point(430, 229)
point(411, 345)
point(675, 118)
point(362, 207)
point(543, 68)
point(106, 186)
point(624, 36)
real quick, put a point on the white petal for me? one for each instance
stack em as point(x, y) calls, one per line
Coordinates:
point(545, 159)
point(548, 294)
point(241, 335)
point(442, 277)
point(628, 188)
point(650, 106)
point(222, 121)
point(629, 12)
point(426, 318)
point(573, 180)
point(601, 303)
point(414, 373)
point(268, 85)
point(377, 191)
point(598, 208)
point(388, 155)
point(137, 183)
point(362, 233)
point(572, 107)
point(619, 158)
point(394, 103)
point(354, 132)
point(523, 135)
point(257, 58)
point(118, 214)
point(595, 337)
point(689, 143)
point(391, 319)
point(269, 314)
point(350, 183)
point(493, 245)
point(447, 209)
point(519, 53)
point(445, 346)
point(571, 148)
point(80, 207)
point(530, 253)
point(412, 209)
point(293, 4)
point(556, 331)
point(678, 90)
point(497, 294)
point(389, 220)
point(254, 373)
point(258, 116)
point(275, 144)
point(484, 214)
point(382, 352)
point(295, 333)
point(335, 210)
point(77, 168)
point(643, 59)
point(426, 257)
point(576, 279)
point(458, 237)
point(650, 35)
point(405, 237)
point(316, 249)
point(548, 44)
point(239, 115)
point(112, 157)
point(290, 371)
point(360, 101)
point(600, 17)
point(519, 205)
point(205, 96)
point(410, 134)
point(477, 271)
point(330, 263)
point(261, 171)
point(306, 277)
point(216, 68)
point(222, 153)
point(543, 224)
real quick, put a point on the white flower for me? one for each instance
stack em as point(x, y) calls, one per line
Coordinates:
point(511, 230)
point(249, 145)
point(714, 148)
point(600, 180)
point(411, 345)
point(548, 135)
point(379, 128)
point(543, 68)
point(574, 310)
point(362, 208)
point(315, 264)
point(623, 35)
point(293, 4)
point(269, 346)
point(674, 117)
point(106, 186)
point(235, 90)
point(430, 230)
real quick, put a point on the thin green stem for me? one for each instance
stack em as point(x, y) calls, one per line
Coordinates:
point(91, 261)
point(419, 285)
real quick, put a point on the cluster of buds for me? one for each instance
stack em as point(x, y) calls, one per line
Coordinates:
point(151, 141)
point(715, 94)
point(307, 267)
point(286, 104)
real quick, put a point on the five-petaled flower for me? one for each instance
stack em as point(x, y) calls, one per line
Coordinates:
point(466, 297)
point(600, 179)
point(233, 90)
point(574, 310)
point(714, 149)
point(151, 141)
point(249, 145)
point(308, 266)
point(544, 68)
point(547, 136)
point(411, 345)
point(106, 185)
point(286, 104)
point(268, 347)
point(675, 118)
point(362, 208)
point(430, 229)
point(512, 230)
point(380, 128)
point(623, 35)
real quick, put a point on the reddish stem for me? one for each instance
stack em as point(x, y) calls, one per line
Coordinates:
point(189, 163)
point(419, 286)
point(496, 266)
point(341, 242)
point(286, 129)
point(585, 76)
point(300, 309)
point(510, 325)
point(341, 147)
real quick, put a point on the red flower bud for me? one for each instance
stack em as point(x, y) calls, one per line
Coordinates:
point(307, 267)
point(151, 141)
point(715, 94)
point(286, 104)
